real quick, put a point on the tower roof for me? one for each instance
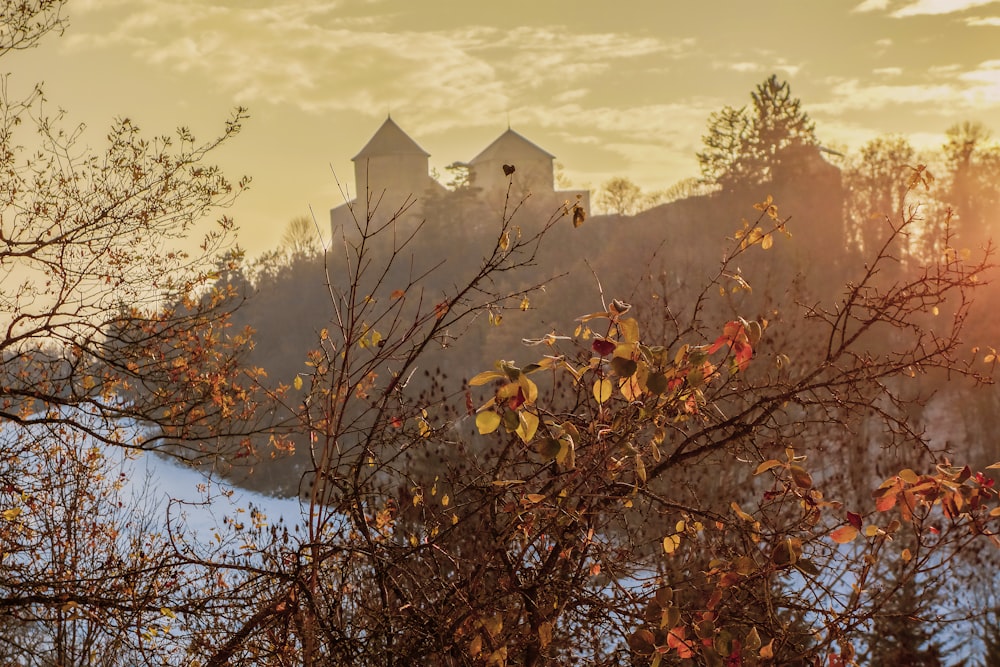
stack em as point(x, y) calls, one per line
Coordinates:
point(390, 140)
point(506, 142)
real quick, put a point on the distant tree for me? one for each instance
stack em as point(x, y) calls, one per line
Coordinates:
point(764, 142)
point(973, 187)
point(901, 633)
point(876, 182)
point(682, 189)
point(724, 162)
point(301, 237)
point(562, 181)
point(783, 133)
point(620, 196)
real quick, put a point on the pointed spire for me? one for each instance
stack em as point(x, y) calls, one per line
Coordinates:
point(390, 139)
point(507, 143)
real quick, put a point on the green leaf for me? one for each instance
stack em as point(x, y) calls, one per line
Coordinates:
point(549, 448)
point(511, 421)
point(656, 383)
point(623, 367)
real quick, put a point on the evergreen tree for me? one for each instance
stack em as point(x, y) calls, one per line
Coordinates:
point(900, 636)
point(762, 143)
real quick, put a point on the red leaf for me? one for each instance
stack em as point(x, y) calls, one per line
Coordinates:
point(854, 520)
point(603, 347)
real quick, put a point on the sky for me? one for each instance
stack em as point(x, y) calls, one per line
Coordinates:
point(610, 88)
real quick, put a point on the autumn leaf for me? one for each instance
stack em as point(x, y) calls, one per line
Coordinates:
point(801, 477)
point(767, 465)
point(529, 424)
point(844, 534)
point(603, 347)
point(602, 390)
point(487, 421)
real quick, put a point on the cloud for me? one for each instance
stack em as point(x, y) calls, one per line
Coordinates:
point(983, 21)
point(921, 7)
point(871, 6)
point(935, 7)
point(947, 91)
point(302, 53)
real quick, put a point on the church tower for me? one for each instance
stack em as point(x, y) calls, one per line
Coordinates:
point(389, 172)
point(391, 163)
point(534, 165)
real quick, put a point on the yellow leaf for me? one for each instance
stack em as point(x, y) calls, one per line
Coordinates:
point(297, 382)
point(11, 514)
point(671, 542)
point(487, 422)
point(908, 476)
point(740, 513)
point(525, 304)
point(629, 330)
point(505, 241)
point(640, 468)
point(545, 634)
point(493, 624)
point(766, 465)
point(906, 555)
point(535, 498)
point(485, 377)
point(767, 241)
point(167, 612)
point(529, 424)
point(602, 390)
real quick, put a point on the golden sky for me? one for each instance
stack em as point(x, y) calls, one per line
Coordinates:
point(610, 88)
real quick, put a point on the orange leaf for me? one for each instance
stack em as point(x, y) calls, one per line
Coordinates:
point(844, 534)
point(886, 502)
